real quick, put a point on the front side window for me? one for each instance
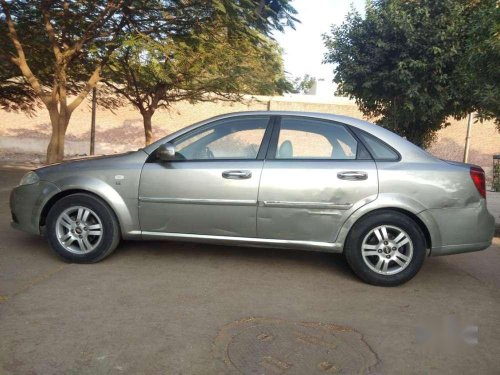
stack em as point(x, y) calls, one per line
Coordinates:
point(235, 138)
point(301, 138)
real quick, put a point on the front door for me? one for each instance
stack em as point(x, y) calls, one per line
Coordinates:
point(212, 185)
point(316, 174)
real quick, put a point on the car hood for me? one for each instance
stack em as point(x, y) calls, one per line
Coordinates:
point(74, 166)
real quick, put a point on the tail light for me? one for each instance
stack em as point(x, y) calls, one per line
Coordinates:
point(477, 175)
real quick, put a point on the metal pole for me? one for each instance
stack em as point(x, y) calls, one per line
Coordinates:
point(92, 124)
point(467, 137)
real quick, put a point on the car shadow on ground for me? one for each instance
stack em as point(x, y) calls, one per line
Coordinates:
point(432, 274)
point(173, 249)
point(144, 253)
point(35, 244)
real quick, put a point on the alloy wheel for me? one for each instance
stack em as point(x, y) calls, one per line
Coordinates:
point(79, 230)
point(387, 249)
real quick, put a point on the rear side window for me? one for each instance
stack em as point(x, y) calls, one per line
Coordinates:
point(302, 138)
point(379, 149)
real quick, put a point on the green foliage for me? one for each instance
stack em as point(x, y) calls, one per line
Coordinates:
point(153, 74)
point(98, 28)
point(479, 70)
point(227, 55)
point(262, 15)
point(303, 84)
point(411, 64)
point(15, 94)
point(87, 31)
point(60, 47)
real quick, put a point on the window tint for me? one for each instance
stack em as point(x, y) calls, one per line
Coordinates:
point(379, 149)
point(237, 138)
point(301, 138)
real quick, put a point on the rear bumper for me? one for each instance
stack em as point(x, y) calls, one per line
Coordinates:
point(26, 204)
point(459, 230)
point(465, 248)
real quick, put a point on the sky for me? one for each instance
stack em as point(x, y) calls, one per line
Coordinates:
point(303, 47)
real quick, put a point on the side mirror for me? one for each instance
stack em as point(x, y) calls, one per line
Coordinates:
point(166, 152)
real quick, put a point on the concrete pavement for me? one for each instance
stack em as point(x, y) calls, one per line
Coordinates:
point(174, 308)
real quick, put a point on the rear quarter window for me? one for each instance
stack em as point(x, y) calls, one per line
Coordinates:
point(379, 149)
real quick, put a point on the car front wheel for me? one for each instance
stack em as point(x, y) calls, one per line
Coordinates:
point(386, 248)
point(82, 229)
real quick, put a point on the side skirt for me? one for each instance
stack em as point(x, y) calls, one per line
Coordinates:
point(246, 241)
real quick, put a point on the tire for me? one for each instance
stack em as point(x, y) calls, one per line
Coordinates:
point(86, 225)
point(369, 248)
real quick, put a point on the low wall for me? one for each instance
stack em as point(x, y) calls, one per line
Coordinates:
point(25, 138)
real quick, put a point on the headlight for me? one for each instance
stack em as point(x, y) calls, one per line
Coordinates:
point(29, 178)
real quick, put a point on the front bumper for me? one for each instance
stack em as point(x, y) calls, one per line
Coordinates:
point(27, 202)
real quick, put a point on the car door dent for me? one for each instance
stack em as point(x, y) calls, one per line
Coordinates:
point(292, 194)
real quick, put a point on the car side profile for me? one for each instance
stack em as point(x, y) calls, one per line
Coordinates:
point(308, 181)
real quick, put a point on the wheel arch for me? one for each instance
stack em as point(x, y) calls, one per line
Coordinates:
point(404, 206)
point(58, 196)
point(411, 215)
point(126, 214)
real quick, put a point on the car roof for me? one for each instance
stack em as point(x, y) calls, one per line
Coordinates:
point(408, 150)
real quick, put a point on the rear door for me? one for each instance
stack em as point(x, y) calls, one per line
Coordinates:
point(316, 173)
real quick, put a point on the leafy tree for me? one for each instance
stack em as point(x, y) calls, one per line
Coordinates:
point(61, 46)
point(274, 15)
point(405, 62)
point(32, 32)
point(218, 59)
point(303, 84)
point(15, 94)
point(203, 67)
point(479, 70)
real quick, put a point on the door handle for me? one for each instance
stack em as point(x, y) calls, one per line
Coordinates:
point(352, 175)
point(237, 175)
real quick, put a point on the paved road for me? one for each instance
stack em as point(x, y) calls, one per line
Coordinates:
point(172, 308)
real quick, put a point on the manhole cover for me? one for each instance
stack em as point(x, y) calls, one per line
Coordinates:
point(274, 346)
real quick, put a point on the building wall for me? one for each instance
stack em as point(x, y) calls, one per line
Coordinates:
point(26, 138)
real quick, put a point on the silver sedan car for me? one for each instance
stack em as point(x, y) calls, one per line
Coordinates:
point(307, 181)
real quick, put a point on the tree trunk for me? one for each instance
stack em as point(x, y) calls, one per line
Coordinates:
point(55, 149)
point(148, 128)
point(56, 100)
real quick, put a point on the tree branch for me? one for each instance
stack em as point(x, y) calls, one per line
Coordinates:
point(91, 83)
point(103, 17)
point(124, 92)
point(20, 60)
point(50, 30)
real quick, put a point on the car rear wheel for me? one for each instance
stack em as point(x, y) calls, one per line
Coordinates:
point(82, 229)
point(385, 248)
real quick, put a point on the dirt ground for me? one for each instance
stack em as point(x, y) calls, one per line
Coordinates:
point(175, 308)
